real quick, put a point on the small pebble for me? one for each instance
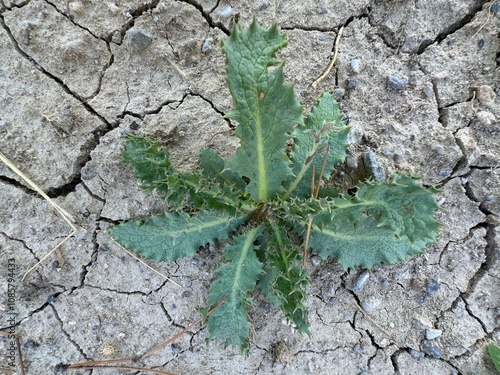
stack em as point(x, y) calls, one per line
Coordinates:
point(360, 281)
point(207, 45)
point(226, 12)
point(139, 39)
point(322, 10)
point(432, 287)
point(351, 83)
point(418, 355)
point(431, 350)
point(263, 6)
point(444, 173)
point(357, 349)
point(371, 165)
point(51, 299)
point(495, 8)
point(134, 125)
point(339, 93)
point(355, 65)
point(315, 260)
point(321, 37)
point(392, 325)
point(397, 82)
point(431, 333)
point(371, 304)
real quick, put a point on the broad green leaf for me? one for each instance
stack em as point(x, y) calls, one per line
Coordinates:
point(403, 205)
point(235, 279)
point(383, 223)
point(173, 235)
point(285, 280)
point(494, 352)
point(266, 108)
point(322, 128)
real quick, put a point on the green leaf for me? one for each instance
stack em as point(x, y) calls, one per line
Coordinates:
point(494, 352)
point(266, 108)
point(173, 235)
point(383, 223)
point(285, 281)
point(235, 279)
point(322, 128)
point(212, 166)
point(153, 168)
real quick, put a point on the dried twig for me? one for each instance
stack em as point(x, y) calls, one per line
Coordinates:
point(107, 364)
point(314, 194)
point(332, 63)
point(147, 265)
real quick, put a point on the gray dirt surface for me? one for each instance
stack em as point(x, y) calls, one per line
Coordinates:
point(419, 82)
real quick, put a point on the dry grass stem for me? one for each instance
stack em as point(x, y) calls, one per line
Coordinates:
point(64, 214)
point(332, 63)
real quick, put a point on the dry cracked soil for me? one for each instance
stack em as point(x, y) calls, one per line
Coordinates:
point(418, 81)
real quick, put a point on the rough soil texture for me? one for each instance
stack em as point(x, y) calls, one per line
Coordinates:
point(418, 81)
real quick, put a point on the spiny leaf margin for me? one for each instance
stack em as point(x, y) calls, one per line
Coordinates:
point(174, 234)
point(235, 279)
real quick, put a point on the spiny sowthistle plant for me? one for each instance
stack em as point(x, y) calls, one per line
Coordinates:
point(262, 199)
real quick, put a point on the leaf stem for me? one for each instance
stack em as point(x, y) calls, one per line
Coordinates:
point(275, 228)
point(314, 194)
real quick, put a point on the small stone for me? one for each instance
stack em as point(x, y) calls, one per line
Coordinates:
point(418, 355)
point(360, 281)
point(321, 37)
point(356, 66)
point(371, 304)
point(351, 83)
point(134, 125)
point(357, 349)
point(263, 6)
point(51, 299)
point(432, 333)
point(207, 45)
point(226, 12)
point(392, 325)
point(431, 350)
point(371, 165)
point(315, 260)
point(432, 287)
point(339, 93)
point(397, 81)
point(322, 10)
point(139, 39)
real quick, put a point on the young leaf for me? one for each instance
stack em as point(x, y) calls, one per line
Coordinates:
point(286, 286)
point(234, 280)
point(383, 223)
point(322, 128)
point(266, 108)
point(494, 352)
point(173, 235)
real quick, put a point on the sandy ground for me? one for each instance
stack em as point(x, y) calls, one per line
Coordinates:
point(419, 83)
